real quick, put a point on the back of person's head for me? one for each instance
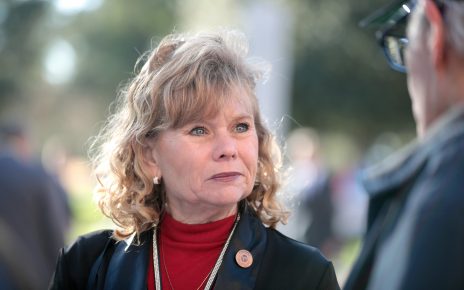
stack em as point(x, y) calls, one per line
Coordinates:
point(453, 17)
point(15, 139)
point(8, 132)
point(392, 19)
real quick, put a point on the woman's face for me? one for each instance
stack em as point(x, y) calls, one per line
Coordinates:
point(208, 166)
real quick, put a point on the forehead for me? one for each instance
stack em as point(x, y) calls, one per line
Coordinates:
point(208, 104)
point(235, 99)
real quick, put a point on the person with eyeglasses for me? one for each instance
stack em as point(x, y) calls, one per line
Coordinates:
point(415, 228)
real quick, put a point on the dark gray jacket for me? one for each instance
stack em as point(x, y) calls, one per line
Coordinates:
point(415, 236)
point(278, 262)
point(31, 224)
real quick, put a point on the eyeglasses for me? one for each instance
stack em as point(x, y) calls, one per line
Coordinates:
point(392, 37)
point(394, 48)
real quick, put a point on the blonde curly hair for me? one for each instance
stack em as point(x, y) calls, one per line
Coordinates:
point(182, 77)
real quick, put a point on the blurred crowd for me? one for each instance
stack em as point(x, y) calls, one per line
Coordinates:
point(327, 204)
point(35, 214)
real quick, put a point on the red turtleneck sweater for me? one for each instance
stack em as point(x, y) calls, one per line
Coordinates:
point(187, 253)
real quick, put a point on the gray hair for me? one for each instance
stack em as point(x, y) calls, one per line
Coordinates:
point(454, 19)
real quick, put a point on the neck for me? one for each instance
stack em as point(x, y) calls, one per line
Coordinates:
point(199, 214)
point(449, 88)
point(205, 253)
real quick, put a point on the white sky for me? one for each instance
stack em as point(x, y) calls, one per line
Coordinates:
point(76, 6)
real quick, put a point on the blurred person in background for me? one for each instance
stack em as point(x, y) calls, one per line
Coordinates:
point(312, 215)
point(33, 215)
point(415, 236)
point(189, 173)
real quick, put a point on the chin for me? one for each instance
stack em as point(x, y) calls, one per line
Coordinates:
point(229, 197)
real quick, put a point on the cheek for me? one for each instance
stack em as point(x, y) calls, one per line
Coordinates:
point(252, 157)
point(174, 161)
point(181, 174)
point(413, 54)
point(417, 66)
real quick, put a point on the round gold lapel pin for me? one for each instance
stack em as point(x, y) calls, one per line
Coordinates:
point(244, 258)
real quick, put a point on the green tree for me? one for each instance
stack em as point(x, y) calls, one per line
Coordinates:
point(341, 79)
point(22, 39)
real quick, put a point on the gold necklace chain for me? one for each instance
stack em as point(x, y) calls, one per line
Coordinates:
point(212, 274)
point(167, 272)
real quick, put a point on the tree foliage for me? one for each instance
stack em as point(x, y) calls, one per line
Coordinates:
point(22, 39)
point(340, 79)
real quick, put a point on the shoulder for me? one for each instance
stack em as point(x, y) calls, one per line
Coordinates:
point(83, 252)
point(444, 174)
point(294, 251)
point(89, 243)
point(443, 144)
point(447, 150)
point(284, 263)
point(295, 264)
point(436, 201)
point(75, 261)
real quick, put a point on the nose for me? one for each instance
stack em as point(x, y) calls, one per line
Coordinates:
point(225, 147)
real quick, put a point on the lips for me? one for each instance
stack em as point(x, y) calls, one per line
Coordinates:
point(226, 176)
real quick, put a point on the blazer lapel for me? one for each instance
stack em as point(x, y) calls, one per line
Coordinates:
point(127, 269)
point(249, 235)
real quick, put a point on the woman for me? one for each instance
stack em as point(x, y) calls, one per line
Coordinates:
point(189, 174)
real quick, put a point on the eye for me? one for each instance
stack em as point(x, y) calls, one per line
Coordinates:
point(198, 131)
point(242, 127)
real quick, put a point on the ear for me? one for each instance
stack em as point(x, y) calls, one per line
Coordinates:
point(437, 41)
point(149, 160)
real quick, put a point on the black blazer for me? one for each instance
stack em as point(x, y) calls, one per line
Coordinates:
point(96, 261)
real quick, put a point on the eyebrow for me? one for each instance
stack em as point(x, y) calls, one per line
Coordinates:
point(234, 118)
point(244, 116)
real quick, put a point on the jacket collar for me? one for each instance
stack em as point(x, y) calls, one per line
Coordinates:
point(408, 162)
point(249, 235)
point(127, 269)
